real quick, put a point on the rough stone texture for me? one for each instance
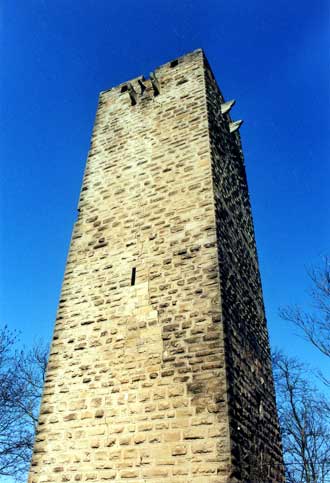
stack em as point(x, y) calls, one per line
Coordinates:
point(168, 379)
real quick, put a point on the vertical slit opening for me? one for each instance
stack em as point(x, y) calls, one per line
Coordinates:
point(133, 276)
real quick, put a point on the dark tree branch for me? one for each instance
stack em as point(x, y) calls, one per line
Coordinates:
point(315, 324)
point(21, 381)
point(304, 420)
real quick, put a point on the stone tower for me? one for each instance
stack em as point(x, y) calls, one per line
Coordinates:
point(160, 367)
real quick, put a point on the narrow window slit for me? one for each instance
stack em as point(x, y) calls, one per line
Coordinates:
point(133, 276)
point(124, 89)
point(174, 63)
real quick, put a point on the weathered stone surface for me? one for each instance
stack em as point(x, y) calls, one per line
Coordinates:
point(160, 360)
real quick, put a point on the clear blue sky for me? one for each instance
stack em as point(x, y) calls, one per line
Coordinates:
point(56, 56)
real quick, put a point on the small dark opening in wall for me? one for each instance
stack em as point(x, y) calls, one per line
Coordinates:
point(124, 89)
point(174, 63)
point(133, 276)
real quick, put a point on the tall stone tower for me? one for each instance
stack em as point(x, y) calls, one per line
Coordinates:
point(160, 368)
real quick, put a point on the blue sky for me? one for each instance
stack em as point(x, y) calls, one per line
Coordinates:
point(272, 57)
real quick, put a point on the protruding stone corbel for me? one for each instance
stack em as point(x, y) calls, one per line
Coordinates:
point(132, 94)
point(233, 126)
point(226, 106)
point(155, 83)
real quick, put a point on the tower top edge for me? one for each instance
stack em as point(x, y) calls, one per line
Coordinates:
point(183, 58)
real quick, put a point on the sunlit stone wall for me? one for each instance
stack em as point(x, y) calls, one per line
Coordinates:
point(159, 368)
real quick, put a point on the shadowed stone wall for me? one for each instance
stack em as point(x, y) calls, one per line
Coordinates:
point(255, 438)
point(159, 368)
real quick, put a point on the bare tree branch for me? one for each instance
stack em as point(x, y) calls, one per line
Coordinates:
point(304, 420)
point(21, 382)
point(315, 324)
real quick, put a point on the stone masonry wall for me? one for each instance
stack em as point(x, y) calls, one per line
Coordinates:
point(136, 387)
point(159, 369)
point(255, 438)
